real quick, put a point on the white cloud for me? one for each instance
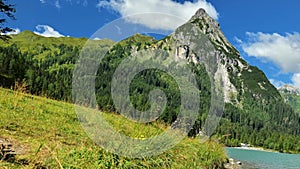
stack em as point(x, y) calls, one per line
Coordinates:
point(43, 1)
point(296, 80)
point(16, 31)
point(47, 31)
point(129, 9)
point(283, 50)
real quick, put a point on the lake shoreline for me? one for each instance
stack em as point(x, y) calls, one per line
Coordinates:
point(263, 149)
point(238, 164)
point(257, 157)
point(256, 148)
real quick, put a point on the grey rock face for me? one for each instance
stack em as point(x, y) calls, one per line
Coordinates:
point(200, 40)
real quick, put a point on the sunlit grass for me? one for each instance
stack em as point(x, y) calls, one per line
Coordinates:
point(47, 133)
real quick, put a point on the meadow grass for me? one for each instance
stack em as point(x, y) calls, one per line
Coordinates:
point(47, 134)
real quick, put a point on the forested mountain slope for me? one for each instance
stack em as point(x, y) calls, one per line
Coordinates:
point(291, 96)
point(254, 112)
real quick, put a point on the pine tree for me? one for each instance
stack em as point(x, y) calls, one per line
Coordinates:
point(8, 10)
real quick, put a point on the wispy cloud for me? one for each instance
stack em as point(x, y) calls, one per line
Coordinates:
point(57, 4)
point(277, 83)
point(168, 7)
point(47, 31)
point(283, 50)
point(118, 29)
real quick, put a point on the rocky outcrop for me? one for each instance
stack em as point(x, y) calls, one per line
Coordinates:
point(211, 28)
point(233, 164)
point(6, 150)
point(224, 58)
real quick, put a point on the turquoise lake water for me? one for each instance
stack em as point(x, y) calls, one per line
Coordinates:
point(264, 160)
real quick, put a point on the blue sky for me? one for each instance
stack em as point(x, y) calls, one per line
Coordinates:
point(264, 31)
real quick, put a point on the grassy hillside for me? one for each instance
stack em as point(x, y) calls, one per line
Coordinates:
point(29, 41)
point(46, 134)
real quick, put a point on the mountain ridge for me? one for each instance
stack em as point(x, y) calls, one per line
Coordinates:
point(255, 112)
point(252, 103)
point(227, 54)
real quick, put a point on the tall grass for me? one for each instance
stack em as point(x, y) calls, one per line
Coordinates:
point(46, 134)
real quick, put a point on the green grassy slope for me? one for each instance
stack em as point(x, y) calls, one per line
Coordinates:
point(46, 133)
point(28, 41)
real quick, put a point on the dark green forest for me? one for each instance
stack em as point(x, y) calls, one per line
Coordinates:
point(47, 64)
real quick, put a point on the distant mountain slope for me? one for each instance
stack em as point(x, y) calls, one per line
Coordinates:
point(291, 96)
point(289, 89)
point(254, 113)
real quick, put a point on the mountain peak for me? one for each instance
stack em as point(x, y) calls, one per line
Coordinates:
point(200, 13)
point(202, 16)
point(210, 27)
